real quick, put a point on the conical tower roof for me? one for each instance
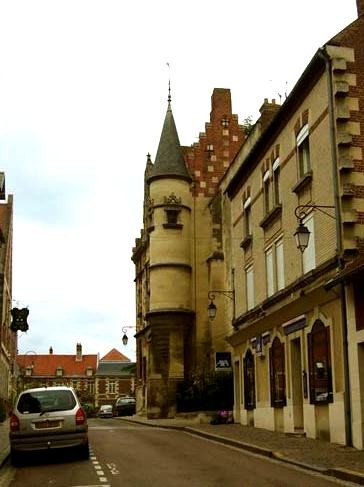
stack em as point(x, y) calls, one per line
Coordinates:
point(169, 160)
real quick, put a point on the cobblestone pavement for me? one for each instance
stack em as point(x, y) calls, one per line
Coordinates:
point(328, 458)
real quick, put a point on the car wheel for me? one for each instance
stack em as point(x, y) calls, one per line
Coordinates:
point(15, 458)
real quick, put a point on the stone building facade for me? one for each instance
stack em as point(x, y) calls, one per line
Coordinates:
point(292, 317)
point(8, 339)
point(298, 332)
point(178, 257)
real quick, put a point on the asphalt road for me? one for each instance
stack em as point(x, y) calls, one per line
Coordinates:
point(128, 455)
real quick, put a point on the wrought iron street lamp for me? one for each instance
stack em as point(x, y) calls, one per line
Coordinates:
point(302, 233)
point(125, 338)
point(212, 308)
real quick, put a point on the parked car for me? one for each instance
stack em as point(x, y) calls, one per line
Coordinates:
point(125, 406)
point(48, 418)
point(105, 411)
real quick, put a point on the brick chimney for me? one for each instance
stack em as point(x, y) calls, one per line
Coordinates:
point(220, 104)
point(267, 112)
point(360, 7)
point(78, 352)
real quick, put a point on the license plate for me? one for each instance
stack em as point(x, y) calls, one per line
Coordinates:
point(47, 424)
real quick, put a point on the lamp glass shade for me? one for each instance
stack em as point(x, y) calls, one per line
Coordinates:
point(211, 310)
point(125, 339)
point(302, 236)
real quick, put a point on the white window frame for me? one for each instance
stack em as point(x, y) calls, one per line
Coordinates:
point(247, 217)
point(309, 255)
point(266, 191)
point(276, 181)
point(274, 265)
point(111, 386)
point(249, 280)
point(269, 269)
point(303, 151)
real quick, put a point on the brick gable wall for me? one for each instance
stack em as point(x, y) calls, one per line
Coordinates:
point(209, 158)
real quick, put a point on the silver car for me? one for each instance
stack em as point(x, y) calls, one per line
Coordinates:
point(48, 418)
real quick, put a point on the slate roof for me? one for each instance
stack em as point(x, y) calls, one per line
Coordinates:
point(46, 365)
point(116, 369)
point(169, 160)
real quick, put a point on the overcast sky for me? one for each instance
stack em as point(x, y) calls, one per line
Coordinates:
point(83, 95)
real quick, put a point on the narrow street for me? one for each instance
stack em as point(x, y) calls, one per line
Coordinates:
point(164, 457)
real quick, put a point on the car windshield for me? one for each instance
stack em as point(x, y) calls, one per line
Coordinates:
point(125, 400)
point(47, 400)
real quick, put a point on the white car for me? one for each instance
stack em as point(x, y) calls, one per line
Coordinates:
point(105, 411)
point(48, 418)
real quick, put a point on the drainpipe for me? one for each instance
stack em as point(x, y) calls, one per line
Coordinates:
point(339, 245)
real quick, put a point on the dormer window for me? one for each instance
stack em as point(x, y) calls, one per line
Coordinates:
point(59, 371)
point(89, 371)
point(28, 370)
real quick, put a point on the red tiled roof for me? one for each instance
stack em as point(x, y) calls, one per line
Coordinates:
point(46, 365)
point(115, 356)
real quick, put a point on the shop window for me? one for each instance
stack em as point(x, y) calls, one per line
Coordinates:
point(277, 374)
point(320, 364)
point(249, 381)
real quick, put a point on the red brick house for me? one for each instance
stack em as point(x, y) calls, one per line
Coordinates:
point(77, 371)
point(115, 376)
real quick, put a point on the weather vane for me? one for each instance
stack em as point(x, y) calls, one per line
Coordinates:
point(169, 84)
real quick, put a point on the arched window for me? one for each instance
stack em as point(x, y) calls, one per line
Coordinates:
point(320, 364)
point(277, 374)
point(249, 381)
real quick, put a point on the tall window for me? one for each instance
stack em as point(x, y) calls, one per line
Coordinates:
point(266, 191)
point(303, 151)
point(320, 363)
point(276, 182)
point(90, 387)
point(277, 374)
point(111, 387)
point(247, 217)
point(249, 381)
point(274, 264)
point(308, 256)
point(249, 278)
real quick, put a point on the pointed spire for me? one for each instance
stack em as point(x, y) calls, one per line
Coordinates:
point(169, 160)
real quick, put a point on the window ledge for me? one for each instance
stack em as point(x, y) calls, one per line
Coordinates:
point(271, 216)
point(303, 182)
point(176, 226)
point(246, 242)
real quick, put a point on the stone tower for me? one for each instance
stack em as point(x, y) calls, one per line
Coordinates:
point(170, 315)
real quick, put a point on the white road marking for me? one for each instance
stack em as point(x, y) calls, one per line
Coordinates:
point(113, 468)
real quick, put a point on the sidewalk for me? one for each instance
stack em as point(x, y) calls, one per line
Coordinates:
point(342, 462)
